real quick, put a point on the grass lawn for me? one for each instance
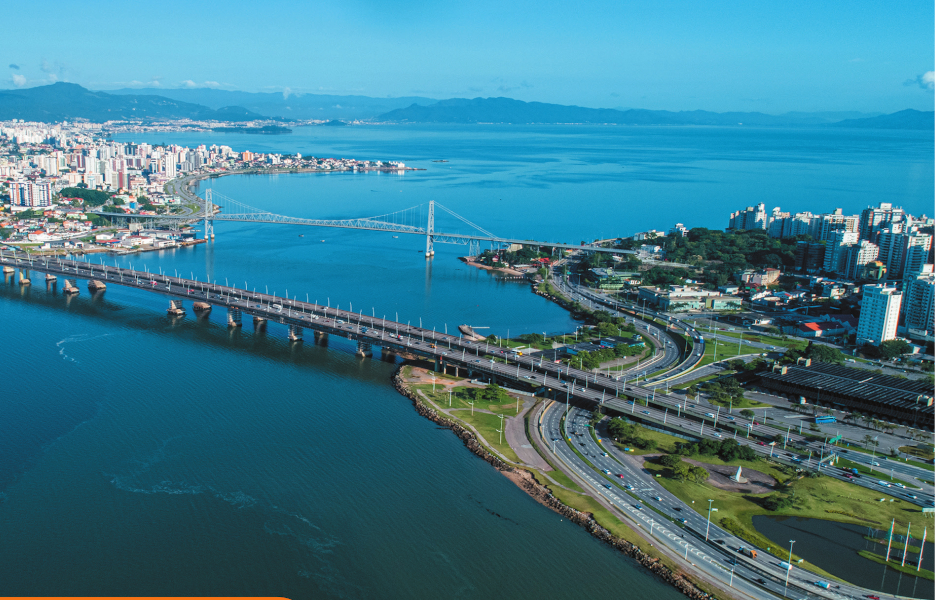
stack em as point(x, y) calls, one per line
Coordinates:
point(725, 351)
point(925, 454)
point(665, 442)
point(820, 498)
point(485, 423)
point(701, 380)
point(895, 564)
point(762, 338)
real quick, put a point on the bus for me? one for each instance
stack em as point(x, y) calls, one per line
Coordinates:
point(825, 419)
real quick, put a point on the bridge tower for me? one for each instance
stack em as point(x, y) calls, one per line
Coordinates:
point(430, 229)
point(209, 216)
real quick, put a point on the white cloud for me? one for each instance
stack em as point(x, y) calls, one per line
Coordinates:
point(286, 93)
point(19, 80)
point(188, 83)
point(926, 81)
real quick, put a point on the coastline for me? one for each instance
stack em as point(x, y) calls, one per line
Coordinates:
point(523, 479)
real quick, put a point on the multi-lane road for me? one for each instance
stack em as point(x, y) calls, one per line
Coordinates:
point(621, 481)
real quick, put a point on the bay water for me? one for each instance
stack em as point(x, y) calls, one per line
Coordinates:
point(141, 455)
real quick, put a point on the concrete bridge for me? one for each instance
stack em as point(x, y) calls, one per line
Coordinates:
point(450, 353)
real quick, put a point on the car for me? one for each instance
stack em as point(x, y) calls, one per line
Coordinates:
point(875, 463)
point(900, 485)
point(710, 415)
point(730, 418)
point(872, 596)
point(191, 291)
point(761, 444)
point(646, 412)
point(678, 509)
point(638, 507)
point(621, 475)
point(761, 581)
point(756, 423)
point(608, 486)
point(581, 389)
point(911, 496)
point(683, 521)
point(658, 499)
point(339, 321)
point(477, 361)
point(722, 542)
point(883, 484)
point(604, 453)
point(607, 472)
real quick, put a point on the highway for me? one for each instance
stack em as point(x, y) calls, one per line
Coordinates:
point(616, 477)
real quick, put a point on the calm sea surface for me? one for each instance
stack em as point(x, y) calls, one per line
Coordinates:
point(140, 456)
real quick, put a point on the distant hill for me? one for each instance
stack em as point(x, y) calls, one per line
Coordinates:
point(67, 101)
point(506, 110)
point(905, 119)
point(290, 106)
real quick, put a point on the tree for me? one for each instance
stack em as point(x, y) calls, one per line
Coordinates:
point(776, 502)
point(698, 474)
point(827, 354)
point(681, 471)
point(747, 413)
point(670, 460)
point(892, 349)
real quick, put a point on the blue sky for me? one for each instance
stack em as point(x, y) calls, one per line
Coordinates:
point(723, 56)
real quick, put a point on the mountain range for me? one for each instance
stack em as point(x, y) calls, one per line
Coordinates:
point(68, 101)
point(506, 110)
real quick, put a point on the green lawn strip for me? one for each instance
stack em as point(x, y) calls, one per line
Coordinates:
point(700, 380)
point(484, 423)
point(911, 549)
point(743, 403)
point(726, 350)
point(894, 564)
point(928, 467)
point(882, 474)
point(665, 443)
point(918, 452)
point(760, 338)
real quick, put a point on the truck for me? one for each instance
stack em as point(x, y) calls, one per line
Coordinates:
point(749, 552)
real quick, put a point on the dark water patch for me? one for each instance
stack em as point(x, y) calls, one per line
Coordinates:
point(834, 547)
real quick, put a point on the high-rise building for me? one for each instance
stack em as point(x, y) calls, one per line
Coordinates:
point(830, 223)
point(875, 219)
point(917, 257)
point(837, 250)
point(809, 256)
point(749, 218)
point(30, 193)
point(919, 307)
point(895, 244)
point(857, 256)
point(678, 230)
point(880, 311)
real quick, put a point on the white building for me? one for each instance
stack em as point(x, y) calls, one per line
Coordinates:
point(837, 250)
point(880, 312)
point(750, 218)
point(921, 299)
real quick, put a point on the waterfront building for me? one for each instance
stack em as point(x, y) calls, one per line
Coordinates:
point(880, 312)
point(829, 224)
point(677, 298)
point(857, 257)
point(30, 193)
point(749, 218)
point(874, 220)
point(678, 230)
point(919, 307)
point(837, 250)
point(809, 256)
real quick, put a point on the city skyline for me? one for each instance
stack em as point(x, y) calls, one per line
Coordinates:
point(738, 57)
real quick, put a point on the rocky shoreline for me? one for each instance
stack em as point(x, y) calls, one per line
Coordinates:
point(541, 494)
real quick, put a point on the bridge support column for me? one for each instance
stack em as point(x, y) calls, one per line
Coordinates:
point(96, 286)
point(259, 323)
point(387, 353)
point(50, 282)
point(321, 336)
point(234, 317)
point(364, 350)
point(295, 333)
point(24, 277)
point(8, 270)
point(70, 288)
point(175, 308)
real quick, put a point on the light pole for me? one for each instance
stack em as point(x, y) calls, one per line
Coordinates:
point(708, 519)
point(789, 567)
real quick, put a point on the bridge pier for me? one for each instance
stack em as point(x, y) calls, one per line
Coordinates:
point(175, 308)
point(70, 288)
point(364, 350)
point(259, 324)
point(7, 270)
point(233, 317)
point(24, 277)
point(295, 333)
point(96, 286)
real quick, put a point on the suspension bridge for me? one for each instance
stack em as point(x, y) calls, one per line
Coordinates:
point(218, 207)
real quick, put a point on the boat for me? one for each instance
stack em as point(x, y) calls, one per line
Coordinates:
point(440, 161)
point(396, 236)
point(323, 241)
point(300, 235)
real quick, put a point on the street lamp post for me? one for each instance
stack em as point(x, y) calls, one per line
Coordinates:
point(789, 567)
point(708, 520)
